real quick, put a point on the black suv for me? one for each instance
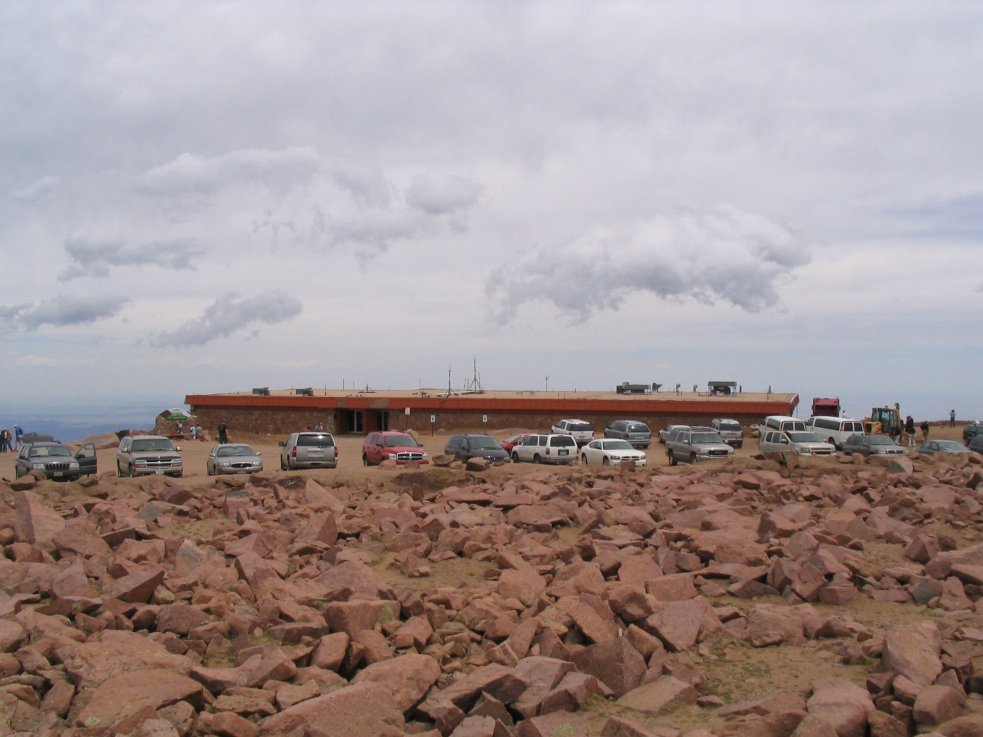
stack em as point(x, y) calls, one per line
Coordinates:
point(55, 460)
point(471, 445)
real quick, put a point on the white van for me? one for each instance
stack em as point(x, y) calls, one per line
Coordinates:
point(781, 423)
point(835, 430)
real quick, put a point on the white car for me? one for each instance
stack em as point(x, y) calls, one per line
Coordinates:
point(610, 453)
point(580, 430)
point(539, 448)
point(803, 443)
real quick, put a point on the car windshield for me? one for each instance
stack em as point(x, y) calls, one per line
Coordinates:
point(316, 441)
point(49, 450)
point(950, 445)
point(401, 441)
point(235, 450)
point(804, 437)
point(484, 444)
point(146, 444)
point(729, 425)
point(637, 427)
point(705, 437)
point(618, 445)
point(563, 440)
point(579, 427)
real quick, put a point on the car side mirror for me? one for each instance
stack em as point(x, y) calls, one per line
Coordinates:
point(177, 448)
point(259, 452)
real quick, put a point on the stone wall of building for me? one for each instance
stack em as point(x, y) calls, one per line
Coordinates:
point(262, 421)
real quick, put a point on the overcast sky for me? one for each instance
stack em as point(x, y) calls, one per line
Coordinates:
point(211, 196)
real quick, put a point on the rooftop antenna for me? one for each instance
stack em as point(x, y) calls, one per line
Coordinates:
point(474, 386)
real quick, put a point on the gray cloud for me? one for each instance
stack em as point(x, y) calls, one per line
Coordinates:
point(229, 314)
point(195, 174)
point(59, 312)
point(720, 255)
point(438, 194)
point(95, 258)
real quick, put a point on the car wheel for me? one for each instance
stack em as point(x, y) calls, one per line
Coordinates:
point(210, 471)
point(672, 459)
point(583, 459)
point(606, 461)
point(515, 457)
point(365, 459)
point(692, 457)
point(283, 464)
point(537, 459)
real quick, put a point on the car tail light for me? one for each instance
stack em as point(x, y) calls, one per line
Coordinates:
point(293, 452)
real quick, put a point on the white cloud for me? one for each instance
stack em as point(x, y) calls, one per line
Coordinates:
point(723, 255)
point(442, 194)
point(193, 173)
point(230, 314)
point(37, 189)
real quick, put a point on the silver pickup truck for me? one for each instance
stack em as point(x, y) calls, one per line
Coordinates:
point(692, 444)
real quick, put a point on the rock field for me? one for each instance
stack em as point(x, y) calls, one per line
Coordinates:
point(758, 597)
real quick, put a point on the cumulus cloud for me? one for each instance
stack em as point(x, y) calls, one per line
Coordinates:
point(439, 194)
point(96, 258)
point(63, 311)
point(195, 174)
point(720, 255)
point(229, 314)
point(37, 189)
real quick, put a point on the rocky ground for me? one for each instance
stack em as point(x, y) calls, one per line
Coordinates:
point(757, 597)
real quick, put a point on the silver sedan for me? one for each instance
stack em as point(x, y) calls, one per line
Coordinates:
point(233, 458)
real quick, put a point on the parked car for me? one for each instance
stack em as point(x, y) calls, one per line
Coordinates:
point(510, 442)
point(55, 460)
point(803, 443)
point(782, 423)
point(580, 430)
point(972, 430)
point(233, 458)
point(931, 447)
point(142, 455)
point(872, 445)
point(545, 448)
point(470, 445)
point(309, 450)
point(635, 432)
point(610, 453)
point(834, 430)
point(976, 444)
point(390, 445)
point(665, 432)
point(730, 430)
point(696, 444)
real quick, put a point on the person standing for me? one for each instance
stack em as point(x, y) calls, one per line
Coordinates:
point(223, 433)
point(924, 429)
point(909, 429)
point(952, 418)
point(3, 440)
point(18, 431)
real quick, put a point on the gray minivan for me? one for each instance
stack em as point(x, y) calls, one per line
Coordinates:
point(309, 450)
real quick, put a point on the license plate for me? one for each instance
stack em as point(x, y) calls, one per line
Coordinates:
point(57, 474)
point(159, 471)
point(564, 452)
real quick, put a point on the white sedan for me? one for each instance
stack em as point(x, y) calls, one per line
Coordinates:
point(610, 453)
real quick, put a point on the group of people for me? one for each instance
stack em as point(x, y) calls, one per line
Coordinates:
point(904, 434)
point(10, 439)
